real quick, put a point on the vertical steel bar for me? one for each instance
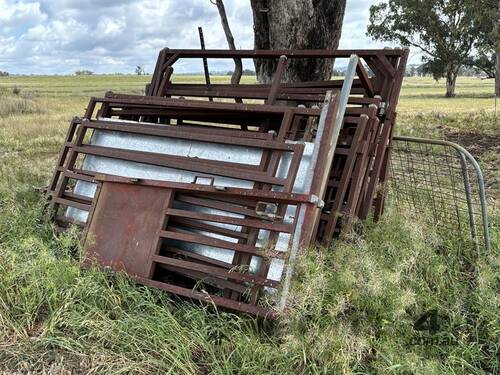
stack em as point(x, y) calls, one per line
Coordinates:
point(205, 61)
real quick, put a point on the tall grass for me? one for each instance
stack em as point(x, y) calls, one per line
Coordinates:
point(18, 102)
point(352, 310)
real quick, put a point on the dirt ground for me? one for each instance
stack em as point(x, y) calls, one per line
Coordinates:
point(486, 150)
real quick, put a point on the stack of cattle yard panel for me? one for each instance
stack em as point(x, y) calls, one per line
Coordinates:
point(210, 191)
point(362, 154)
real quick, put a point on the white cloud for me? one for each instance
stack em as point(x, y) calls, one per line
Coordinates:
point(61, 36)
point(16, 12)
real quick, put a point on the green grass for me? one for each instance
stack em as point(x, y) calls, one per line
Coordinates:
point(353, 305)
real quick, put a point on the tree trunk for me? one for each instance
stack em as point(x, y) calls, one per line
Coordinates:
point(297, 24)
point(451, 79)
point(497, 74)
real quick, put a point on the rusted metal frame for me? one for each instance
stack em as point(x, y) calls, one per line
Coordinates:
point(371, 171)
point(390, 87)
point(242, 108)
point(56, 200)
point(365, 79)
point(363, 169)
point(160, 77)
point(375, 171)
point(90, 108)
point(401, 67)
point(229, 94)
point(381, 54)
point(211, 299)
point(204, 166)
point(319, 182)
point(275, 84)
point(349, 112)
point(189, 225)
point(158, 239)
point(309, 129)
point(205, 62)
point(201, 277)
point(269, 163)
point(91, 210)
point(239, 247)
point(272, 167)
point(199, 258)
point(210, 202)
point(227, 132)
point(386, 64)
point(336, 171)
point(216, 271)
point(215, 242)
point(77, 197)
point(301, 87)
point(253, 223)
point(204, 278)
point(378, 127)
point(355, 187)
point(63, 153)
point(345, 180)
point(376, 131)
point(176, 54)
point(162, 91)
point(210, 119)
point(69, 164)
point(210, 190)
point(363, 161)
point(159, 63)
point(379, 81)
point(180, 133)
point(310, 94)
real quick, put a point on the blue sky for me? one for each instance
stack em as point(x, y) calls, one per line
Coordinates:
point(107, 36)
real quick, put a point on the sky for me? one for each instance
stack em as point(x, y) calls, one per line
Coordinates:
point(110, 36)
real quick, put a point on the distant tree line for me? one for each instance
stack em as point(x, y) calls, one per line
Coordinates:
point(244, 72)
point(4, 74)
point(84, 72)
point(422, 70)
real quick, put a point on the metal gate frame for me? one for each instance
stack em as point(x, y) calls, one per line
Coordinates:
point(465, 158)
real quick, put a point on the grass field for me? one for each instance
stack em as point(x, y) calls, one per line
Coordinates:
point(353, 308)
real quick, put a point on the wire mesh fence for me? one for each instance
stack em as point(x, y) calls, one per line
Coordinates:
point(442, 178)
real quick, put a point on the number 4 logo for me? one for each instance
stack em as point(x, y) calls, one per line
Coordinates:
point(427, 322)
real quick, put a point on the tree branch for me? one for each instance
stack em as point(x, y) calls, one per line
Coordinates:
point(238, 66)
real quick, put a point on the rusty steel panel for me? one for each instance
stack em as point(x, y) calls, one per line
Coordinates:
point(122, 225)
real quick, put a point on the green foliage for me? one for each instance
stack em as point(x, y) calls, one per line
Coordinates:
point(488, 18)
point(445, 30)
